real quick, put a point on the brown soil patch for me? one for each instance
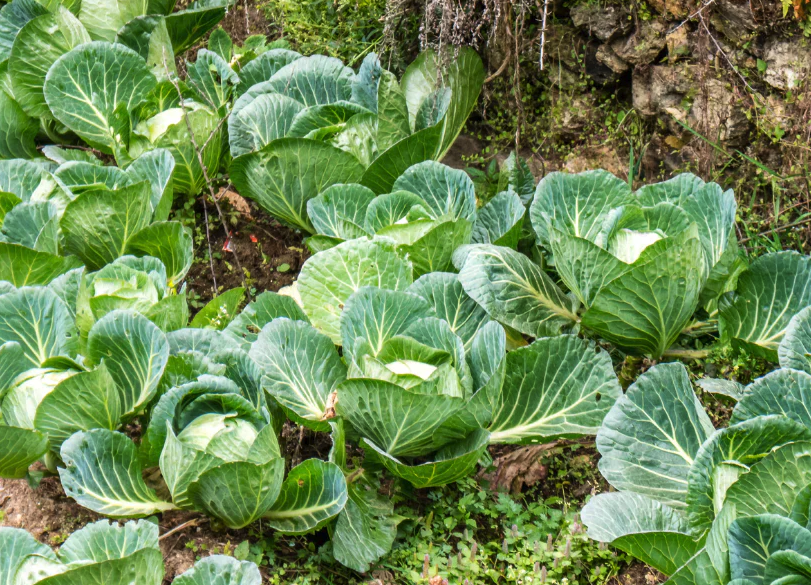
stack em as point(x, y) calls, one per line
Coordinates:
point(260, 254)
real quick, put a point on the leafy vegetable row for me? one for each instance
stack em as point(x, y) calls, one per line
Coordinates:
point(108, 553)
point(712, 506)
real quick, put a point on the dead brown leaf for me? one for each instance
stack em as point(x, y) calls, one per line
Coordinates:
point(519, 469)
point(237, 201)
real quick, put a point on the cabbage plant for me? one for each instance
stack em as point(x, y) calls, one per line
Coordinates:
point(57, 218)
point(302, 124)
point(430, 212)
point(54, 55)
point(708, 506)
point(102, 552)
point(636, 265)
point(422, 382)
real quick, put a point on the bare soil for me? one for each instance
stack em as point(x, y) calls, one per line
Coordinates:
point(258, 253)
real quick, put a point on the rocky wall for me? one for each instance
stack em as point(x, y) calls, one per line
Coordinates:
point(733, 71)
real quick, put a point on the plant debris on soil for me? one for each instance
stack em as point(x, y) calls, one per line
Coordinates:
point(258, 253)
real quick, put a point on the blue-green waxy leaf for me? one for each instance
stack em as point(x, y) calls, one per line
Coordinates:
point(264, 67)
point(583, 266)
point(265, 308)
point(515, 291)
point(398, 421)
point(340, 211)
point(301, 368)
point(446, 191)
point(105, 541)
point(577, 204)
point(402, 155)
point(786, 392)
point(657, 534)
point(181, 465)
point(392, 112)
point(22, 266)
point(675, 190)
point(753, 540)
point(81, 176)
point(169, 242)
point(774, 483)
point(372, 316)
point(329, 278)
point(445, 293)
point(451, 463)
point(517, 176)
point(387, 209)
point(18, 131)
point(788, 566)
point(169, 130)
point(646, 308)
point(211, 78)
point(320, 122)
point(313, 494)
point(21, 448)
point(795, 348)
point(188, 26)
point(13, 17)
point(134, 351)
point(37, 319)
point(148, 36)
point(23, 177)
point(102, 472)
point(156, 166)
point(500, 221)
point(285, 174)
point(34, 224)
point(557, 386)
point(84, 401)
point(366, 82)
point(730, 453)
point(220, 570)
point(776, 287)
point(667, 424)
point(97, 224)
point(433, 251)
point(15, 545)
point(314, 81)
point(268, 117)
point(238, 492)
point(366, 528)
point(464, 76)
point(92, 88)
point(12, 364)
point(220, 310)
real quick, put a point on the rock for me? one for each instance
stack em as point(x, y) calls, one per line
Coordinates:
point(677, 8)
point(788, 62)
point(678, 44)
point(604, 22)
point(675, 94)
point(734, 19)
point(573, 112)
point(607, 56)
point(644, 45)
point(586, 158)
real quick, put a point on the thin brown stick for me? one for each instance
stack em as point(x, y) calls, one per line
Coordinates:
point(500, 70)
point(187, 524)
point(209, 184)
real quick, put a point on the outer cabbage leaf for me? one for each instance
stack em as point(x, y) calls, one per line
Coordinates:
point(650, 437)
point(557, 386)
point(92, 88)
point(776, 287)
